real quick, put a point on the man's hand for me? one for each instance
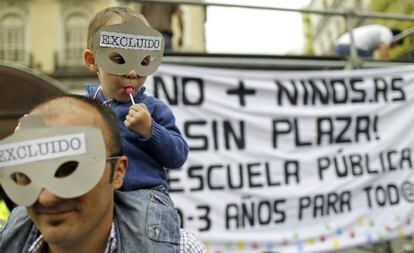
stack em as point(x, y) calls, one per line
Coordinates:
point(139, 120)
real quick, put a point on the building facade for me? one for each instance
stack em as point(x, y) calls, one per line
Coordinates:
point(50, 35)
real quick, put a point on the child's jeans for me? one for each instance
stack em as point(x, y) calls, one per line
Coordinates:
point(157, 217)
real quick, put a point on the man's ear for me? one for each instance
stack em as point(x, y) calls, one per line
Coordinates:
point(119, 172)
point(89, 60)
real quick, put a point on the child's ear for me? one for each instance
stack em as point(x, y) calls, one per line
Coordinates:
point(89, 60)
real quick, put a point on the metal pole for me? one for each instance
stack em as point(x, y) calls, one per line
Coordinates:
point(361, 14)
point(353, 60)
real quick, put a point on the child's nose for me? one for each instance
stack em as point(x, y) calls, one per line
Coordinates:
point(132, 74)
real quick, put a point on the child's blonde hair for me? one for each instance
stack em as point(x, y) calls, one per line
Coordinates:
point(105, 16)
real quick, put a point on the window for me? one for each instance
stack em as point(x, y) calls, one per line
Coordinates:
point(75, 39)
point(12, 39)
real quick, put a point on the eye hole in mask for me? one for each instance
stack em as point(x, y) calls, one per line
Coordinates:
point(66, 169)
point(147, 60)
point(116, 58)
point(20, 178)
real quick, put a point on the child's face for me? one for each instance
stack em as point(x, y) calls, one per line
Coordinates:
point(114, 87)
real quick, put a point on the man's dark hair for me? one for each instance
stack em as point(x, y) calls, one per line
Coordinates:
point(107, 115)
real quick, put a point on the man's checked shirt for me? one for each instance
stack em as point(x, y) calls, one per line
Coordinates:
point(188, 243)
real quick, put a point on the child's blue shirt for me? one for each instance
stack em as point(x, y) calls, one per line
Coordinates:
point(147, 158)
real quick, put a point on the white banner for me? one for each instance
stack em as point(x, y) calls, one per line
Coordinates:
point(292, 161)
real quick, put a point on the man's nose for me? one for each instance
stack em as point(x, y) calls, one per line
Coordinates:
point(132, 74)
point(47, 198)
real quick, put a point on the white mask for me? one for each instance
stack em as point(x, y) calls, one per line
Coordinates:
point(141, 48)
point(67, 161)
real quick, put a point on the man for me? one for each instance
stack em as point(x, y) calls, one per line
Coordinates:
point(65, 164)
point(159, 16)
point(367, 39)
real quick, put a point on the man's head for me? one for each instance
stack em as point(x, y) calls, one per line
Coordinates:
point(70, 221)
point(67, 106)
point(123, 50)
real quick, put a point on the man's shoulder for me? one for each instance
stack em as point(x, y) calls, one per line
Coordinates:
point(17, 232)
point(18, 218)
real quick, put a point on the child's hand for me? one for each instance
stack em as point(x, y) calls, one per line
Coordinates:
point(139, 120)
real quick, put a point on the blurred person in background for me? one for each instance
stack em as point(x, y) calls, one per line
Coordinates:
point(368, 39)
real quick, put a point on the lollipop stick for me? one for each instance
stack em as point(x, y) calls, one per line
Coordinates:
point(129, 90)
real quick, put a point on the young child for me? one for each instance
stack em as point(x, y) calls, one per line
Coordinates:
point(123, 50)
